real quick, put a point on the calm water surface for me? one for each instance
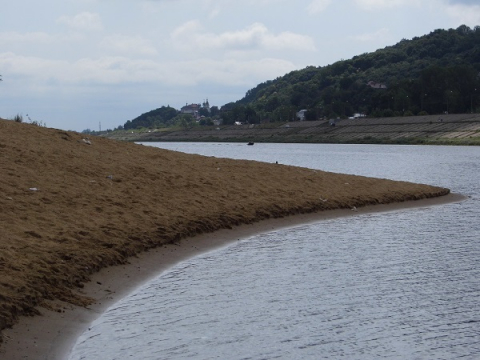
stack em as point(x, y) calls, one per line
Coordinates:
point(395, 285)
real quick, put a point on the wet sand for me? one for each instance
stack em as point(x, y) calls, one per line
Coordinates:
point(85, 221)
point(53, 335)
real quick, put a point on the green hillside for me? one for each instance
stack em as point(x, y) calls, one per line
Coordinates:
point(432, 74)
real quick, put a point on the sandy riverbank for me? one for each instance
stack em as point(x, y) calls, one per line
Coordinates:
point(72, 206)
point(53, 335)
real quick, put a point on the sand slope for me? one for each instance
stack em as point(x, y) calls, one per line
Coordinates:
point(70, 206)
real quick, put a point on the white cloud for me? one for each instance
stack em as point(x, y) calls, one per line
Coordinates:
point(214, 13)
point(84, 21)
point(381, 35)
point(13, 38)
point(118, 70)
point(465, 14)
point(31, 37)
point(191, 36)
point(382, 4)
point(465, 2)
point(29, 66)
point(318, 6)
point(132, 45)
point(232, 72)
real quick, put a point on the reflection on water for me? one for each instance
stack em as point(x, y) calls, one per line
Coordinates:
point(398, 285)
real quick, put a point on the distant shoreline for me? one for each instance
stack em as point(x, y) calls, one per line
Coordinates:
point(452, 129)
point(53, 335)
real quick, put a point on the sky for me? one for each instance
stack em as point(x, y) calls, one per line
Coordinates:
point(94, 64)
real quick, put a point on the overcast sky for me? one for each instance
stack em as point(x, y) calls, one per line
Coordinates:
point(74, 64)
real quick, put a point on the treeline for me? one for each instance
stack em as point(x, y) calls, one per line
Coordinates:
point(432, 74)
point(167, 116)
point(161, 117)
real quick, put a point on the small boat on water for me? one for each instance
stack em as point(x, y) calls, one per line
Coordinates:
point(250, 143)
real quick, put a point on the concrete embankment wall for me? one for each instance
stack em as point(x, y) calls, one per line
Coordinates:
point(448, 129)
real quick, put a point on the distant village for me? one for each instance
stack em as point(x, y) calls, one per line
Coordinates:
point(205, 114)
point(198, 111)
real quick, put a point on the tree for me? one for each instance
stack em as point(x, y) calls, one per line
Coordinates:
point(272, 104)
point(311, 115)
point(152, 119)
point(214, 111)
point(284, 113)
point(204, 112)
point(186, 121)
point(206, 122)
point(250, 115)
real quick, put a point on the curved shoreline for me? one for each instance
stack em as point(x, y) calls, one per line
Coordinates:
point(53, 335)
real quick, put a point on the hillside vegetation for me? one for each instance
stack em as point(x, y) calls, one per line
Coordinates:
point(432, 74)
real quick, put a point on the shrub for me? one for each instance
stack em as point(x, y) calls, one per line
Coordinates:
point(38, 123)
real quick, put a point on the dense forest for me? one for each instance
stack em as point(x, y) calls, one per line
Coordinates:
point(166, 116)
point(433, 74)
point(153, 119)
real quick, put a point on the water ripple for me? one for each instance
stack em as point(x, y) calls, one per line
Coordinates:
point(398, 285)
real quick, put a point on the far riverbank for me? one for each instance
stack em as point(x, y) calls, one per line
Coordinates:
point(446, 129)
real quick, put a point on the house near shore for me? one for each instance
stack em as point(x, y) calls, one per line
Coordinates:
point(194, 109)
point(301, 114)
point(357, 116)
point(191, 109)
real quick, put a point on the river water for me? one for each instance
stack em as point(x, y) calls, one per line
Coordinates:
point(394, 285)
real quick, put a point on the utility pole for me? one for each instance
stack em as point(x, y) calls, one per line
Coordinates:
point(100, 126)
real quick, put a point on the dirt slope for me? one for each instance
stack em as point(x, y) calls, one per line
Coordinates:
point(70, 206)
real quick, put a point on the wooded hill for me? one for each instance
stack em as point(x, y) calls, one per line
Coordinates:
point(432, 74)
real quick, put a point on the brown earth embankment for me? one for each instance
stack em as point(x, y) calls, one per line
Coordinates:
point(71, 206)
